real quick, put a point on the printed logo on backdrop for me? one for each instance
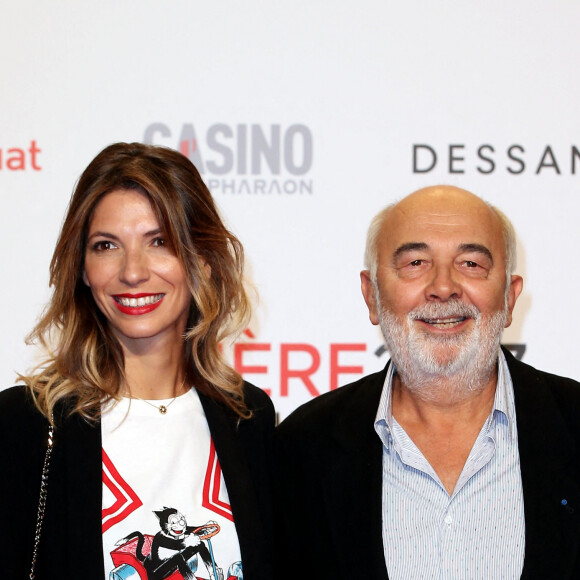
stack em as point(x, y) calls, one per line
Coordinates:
point(23, 158)
point(244, 159)
point(486, 158)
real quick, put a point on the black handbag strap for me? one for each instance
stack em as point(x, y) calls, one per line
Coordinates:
point(42, 500)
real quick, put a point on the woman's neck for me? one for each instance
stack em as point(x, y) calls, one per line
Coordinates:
point(157, 375)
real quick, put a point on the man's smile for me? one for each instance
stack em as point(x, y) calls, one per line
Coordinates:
point(444, 323)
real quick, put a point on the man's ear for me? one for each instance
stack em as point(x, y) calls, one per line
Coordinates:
point(368, 291)
point(515, 289)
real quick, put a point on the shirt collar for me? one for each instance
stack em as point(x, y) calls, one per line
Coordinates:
point(503, 401)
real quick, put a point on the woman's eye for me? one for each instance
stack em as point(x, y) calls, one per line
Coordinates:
point(159, 242)
point(103, 246)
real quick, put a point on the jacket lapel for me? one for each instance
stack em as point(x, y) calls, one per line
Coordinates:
point(352, 483)
point(227, 439)
point(548, 461)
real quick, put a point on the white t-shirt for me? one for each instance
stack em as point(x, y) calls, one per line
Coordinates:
point(164, 496)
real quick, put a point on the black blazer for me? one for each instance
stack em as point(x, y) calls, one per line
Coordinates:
point(329, 479)
point(71, 545)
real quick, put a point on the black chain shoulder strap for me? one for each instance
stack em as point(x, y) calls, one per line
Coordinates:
point(42, 500)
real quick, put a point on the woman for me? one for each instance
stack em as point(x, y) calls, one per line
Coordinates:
point(159, 462)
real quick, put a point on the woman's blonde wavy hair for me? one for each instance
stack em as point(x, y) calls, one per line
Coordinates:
point(85, 364)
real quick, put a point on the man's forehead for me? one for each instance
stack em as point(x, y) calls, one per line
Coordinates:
point(448, 214)
point(429, 217)
point(441, 207)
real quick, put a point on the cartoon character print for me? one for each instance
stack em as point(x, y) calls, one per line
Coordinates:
point(174, 546)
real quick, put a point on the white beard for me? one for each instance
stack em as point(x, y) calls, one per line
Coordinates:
point(463, 362)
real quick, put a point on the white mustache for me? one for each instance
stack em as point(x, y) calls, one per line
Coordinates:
point(452, 308)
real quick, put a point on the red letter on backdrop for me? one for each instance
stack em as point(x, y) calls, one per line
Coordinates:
point(335, 369)
point(239, 349)
point(303, 374)
point(33, 151)
point(15, 161)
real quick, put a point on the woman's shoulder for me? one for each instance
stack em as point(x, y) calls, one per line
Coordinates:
point(257, 399)
point(20, 420)
point(16, 400)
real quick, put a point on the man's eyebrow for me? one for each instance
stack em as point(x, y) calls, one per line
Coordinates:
point(478, 248)
point(409, 247)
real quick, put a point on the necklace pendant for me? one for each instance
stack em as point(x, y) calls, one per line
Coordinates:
point(162, 409)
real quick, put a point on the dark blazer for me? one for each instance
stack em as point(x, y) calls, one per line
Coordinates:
point(329, 480)
point(71, 545)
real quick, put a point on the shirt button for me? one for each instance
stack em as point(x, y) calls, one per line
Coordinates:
point(448, 520)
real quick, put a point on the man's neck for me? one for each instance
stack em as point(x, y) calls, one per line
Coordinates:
point(443, 422)
point(446, 392)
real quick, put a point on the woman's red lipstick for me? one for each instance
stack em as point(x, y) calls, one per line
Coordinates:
point(137, 304)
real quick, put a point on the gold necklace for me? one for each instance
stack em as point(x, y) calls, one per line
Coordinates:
point(161, 408)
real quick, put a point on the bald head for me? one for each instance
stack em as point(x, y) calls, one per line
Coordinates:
point(430, 202)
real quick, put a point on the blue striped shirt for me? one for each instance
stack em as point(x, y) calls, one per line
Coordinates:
point(476, 533)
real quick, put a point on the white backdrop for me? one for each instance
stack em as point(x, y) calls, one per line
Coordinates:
point(306, 117)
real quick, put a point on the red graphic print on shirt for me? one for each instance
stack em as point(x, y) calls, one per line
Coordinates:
point(126, 500)
point(211, 487)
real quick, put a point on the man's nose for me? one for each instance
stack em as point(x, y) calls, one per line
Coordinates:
point(443, 284)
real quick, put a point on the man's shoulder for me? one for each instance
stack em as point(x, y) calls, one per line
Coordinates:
point(538, 391)
point(351, 402)
point(566, 385)
point(525, 375)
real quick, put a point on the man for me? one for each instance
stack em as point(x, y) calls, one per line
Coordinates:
point(456, 461)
